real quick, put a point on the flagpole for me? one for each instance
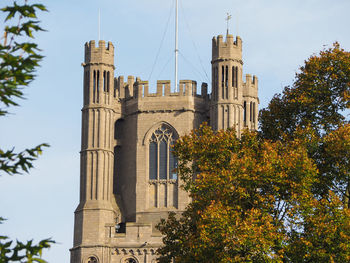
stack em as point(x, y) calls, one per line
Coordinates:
point(176, 45)
point(99, 24)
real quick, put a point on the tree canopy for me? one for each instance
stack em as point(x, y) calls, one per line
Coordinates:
point(317, 103)
point(318, 97)
point(277, 195)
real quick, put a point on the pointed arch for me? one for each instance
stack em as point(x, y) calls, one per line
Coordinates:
point(155, 126)
point(161, 166)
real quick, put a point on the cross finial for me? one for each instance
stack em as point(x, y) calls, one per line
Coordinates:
point(228, 18)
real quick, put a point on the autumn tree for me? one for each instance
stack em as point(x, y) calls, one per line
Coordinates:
point(19, 59)
point(247, 195)
point(279, 195)
point(318, 97)
point(317, 104)
point(318, 100)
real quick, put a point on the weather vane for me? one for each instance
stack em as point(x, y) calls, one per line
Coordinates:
point(228, 18)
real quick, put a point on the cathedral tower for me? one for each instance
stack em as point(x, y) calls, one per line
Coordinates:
point(128, 180)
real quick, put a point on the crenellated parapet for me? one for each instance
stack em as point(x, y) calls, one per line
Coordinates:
point(99, 54)
point(124, 89)
point(250, 86)
point(138, 89)
point(228, 49)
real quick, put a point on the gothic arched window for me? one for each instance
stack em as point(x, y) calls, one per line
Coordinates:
point(162, 164)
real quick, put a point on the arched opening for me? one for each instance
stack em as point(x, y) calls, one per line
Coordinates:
point(245, 112)
point(254, 112)
point(162, 162)
point(118, 136)
point(162, 176)
point(236, 77)
point(104, 81)
point(233, 76)
point(226, 82)
point(98, 87)
point(108, 81)
point(222, 81)
point(250, 111)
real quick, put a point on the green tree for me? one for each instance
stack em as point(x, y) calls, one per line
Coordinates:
point(19, 59)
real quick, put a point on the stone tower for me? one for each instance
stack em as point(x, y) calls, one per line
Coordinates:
point(233, 102)
point(127, 178)
point(96, 209)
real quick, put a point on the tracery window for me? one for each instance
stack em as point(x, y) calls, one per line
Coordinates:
point(161, 160)
point(162, 164)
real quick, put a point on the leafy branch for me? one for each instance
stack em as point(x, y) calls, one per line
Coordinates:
point(15, 163)
point(18, 60)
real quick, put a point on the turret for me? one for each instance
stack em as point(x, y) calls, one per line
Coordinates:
point(226, 82)
point(250, 102)
point(96, 209)
point(98, 73)
point(98, 95)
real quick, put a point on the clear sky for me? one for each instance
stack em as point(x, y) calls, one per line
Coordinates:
point(278, 35)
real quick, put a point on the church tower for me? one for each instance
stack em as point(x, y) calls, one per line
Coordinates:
point(128, 180)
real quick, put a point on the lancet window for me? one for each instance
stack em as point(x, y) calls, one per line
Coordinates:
point(226, 83)
point(96, 86)
point(245, 112)
point(222, 82)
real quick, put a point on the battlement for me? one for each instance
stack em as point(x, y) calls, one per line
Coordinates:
point(140, 89)
point(250, 88)
point(251, 81)
point(226, 49)
point(99, 54)
point(220, 42)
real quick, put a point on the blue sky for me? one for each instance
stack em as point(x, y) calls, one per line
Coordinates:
point(277, 37)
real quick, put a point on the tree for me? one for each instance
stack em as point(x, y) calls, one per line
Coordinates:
point(317, 98)
point(19, 58)
point(323, 234)
point(319, 101)
point(252, 201)
point(246, 195)
point(279, 195)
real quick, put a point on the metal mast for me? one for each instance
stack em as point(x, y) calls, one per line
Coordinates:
point(99, 24)
point(176, 43)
